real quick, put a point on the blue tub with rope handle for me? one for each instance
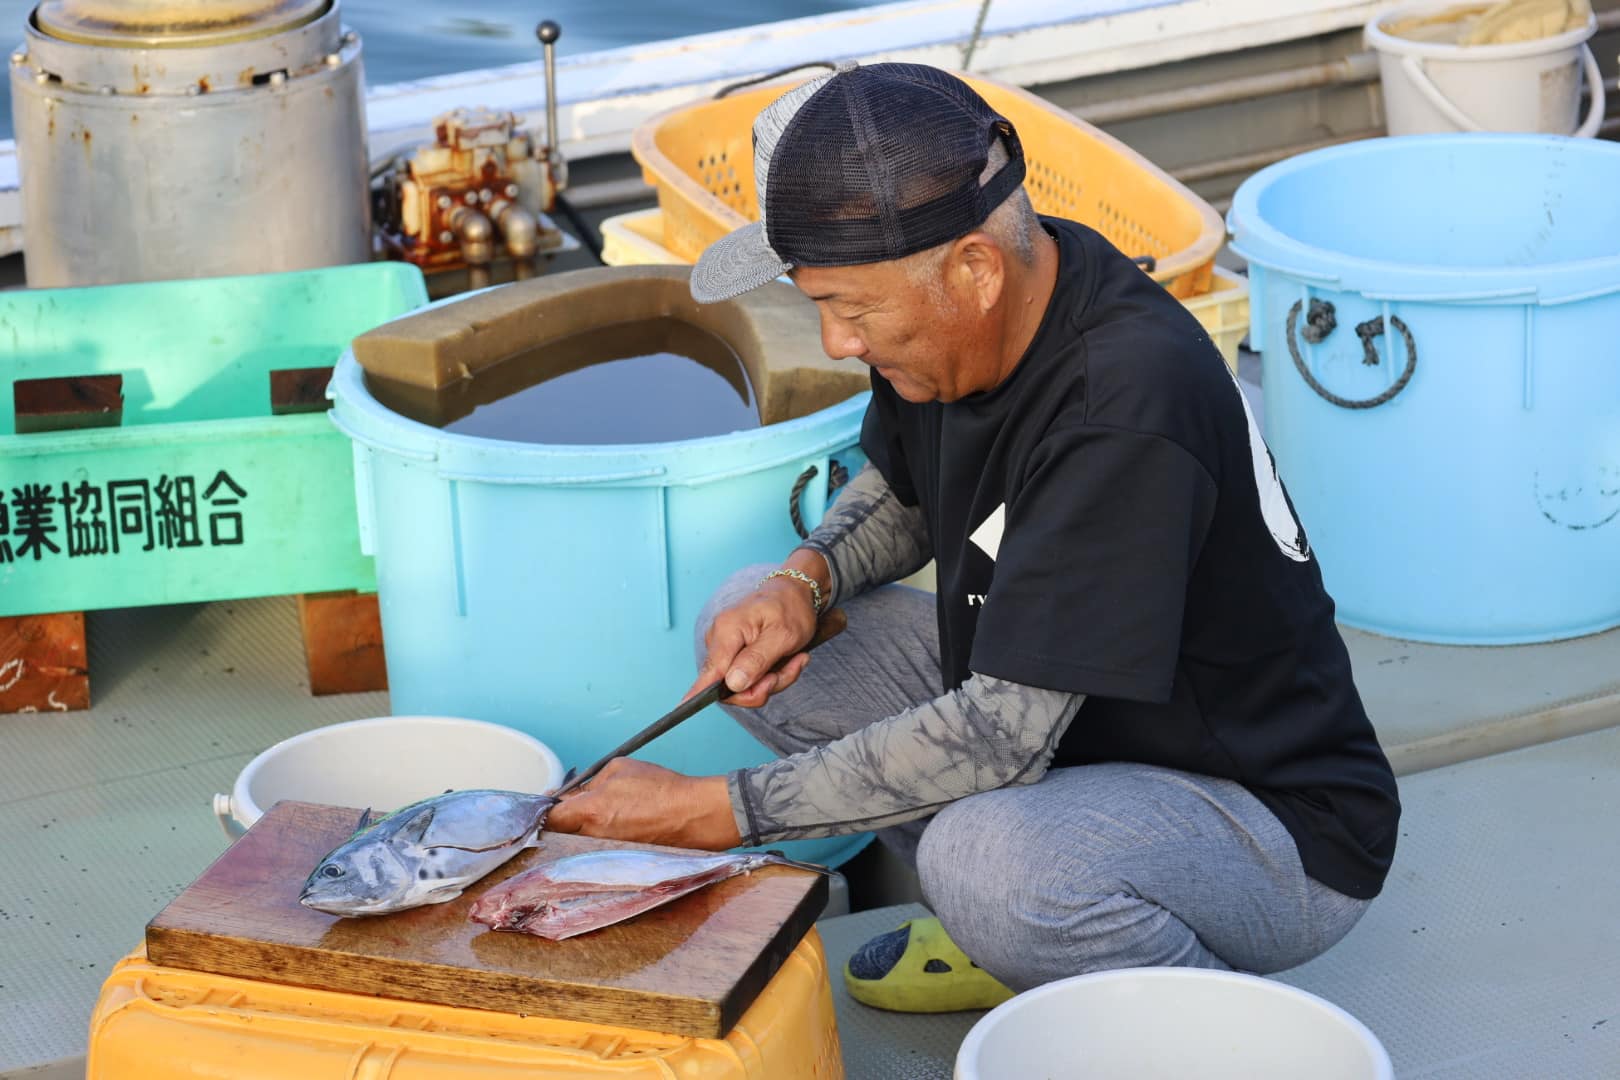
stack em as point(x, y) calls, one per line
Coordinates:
point(554, 588)
point(1438, 319)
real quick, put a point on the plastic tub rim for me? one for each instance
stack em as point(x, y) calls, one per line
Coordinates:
point(367, 421)
point(980, 1032)
point(1439, 50)
point(354, 379)
point(1259, 241)
point(1244, 216)
point(239, 803)
point(807, 436)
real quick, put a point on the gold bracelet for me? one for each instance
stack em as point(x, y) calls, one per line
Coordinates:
point(799, 575)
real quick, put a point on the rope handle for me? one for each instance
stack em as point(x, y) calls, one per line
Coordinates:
point(1320, 321)
point(837, 477)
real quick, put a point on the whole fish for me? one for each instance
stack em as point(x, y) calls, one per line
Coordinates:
point(424, 853)
point(593, 889)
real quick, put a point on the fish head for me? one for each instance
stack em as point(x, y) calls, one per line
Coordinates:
point(490, 908)
point(361, 878)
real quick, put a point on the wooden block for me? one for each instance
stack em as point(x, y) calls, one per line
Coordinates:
point(343, 644)
point(299, 390)
point(67, 402)
point(43, 663)
point(691, 967)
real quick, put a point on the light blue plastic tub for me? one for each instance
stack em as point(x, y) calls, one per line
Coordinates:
point(555, 588)
point(1458, 478)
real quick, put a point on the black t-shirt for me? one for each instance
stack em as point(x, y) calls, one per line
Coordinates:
point(1108, 521)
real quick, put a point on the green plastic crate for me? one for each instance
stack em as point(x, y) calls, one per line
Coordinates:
point(202, 493)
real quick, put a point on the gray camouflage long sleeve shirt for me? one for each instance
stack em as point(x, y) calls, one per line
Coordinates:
point(987, 734)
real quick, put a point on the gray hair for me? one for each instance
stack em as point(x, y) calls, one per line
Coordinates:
point(1013, 226)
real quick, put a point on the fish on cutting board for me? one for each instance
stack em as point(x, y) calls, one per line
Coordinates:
point(425, 853)
point(578, 893)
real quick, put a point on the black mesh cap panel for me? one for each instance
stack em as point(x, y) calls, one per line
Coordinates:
point(883, 162)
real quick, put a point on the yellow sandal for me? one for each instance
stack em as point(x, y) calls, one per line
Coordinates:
point(918, 968)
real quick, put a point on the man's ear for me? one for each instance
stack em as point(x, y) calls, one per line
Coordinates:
point(980, 260)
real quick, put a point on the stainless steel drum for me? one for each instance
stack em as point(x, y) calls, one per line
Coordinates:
point(189, 138)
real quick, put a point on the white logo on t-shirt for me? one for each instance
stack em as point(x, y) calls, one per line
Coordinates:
point(987, 537)
point(1280, 520)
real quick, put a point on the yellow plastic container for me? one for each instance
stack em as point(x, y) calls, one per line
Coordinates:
point(636, 239)
point(155, 1023)
point(1224, 311)
point(700, 159)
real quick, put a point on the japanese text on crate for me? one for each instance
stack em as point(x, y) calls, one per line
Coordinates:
point(85, 519)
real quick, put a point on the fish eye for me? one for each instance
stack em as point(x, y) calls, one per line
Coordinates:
point(332, 870)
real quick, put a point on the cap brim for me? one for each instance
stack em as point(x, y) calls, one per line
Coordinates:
point(735, 264)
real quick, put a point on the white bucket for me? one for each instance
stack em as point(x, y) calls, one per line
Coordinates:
point(1170, 1022)
point(385, 763)
point(1532, 86)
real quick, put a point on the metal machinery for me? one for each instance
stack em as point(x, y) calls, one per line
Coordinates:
point(476, 199)
point(189, 138)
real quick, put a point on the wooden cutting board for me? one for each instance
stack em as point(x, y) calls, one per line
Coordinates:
point(691, 967)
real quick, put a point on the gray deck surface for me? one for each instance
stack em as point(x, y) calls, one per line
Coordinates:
point(882, 1045)
point(1491, 955)
point(1436, 705)
point(106, 816)
point(1495, 949)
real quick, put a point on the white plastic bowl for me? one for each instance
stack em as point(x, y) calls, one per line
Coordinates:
point(1148, 1023)
point(385, 763)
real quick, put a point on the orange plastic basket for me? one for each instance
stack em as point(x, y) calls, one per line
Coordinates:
point(700, 159)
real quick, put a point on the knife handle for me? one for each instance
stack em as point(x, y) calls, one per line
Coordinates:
point(829, 626)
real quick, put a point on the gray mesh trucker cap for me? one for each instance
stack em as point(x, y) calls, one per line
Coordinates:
point(863, 165)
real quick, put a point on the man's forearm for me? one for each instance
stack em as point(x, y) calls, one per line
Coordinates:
point(987, 735)
point(868, 538)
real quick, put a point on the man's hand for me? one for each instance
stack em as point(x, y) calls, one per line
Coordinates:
point(747, 639)
point(639, 801)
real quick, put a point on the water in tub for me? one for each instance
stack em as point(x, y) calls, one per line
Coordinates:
point(644, 381)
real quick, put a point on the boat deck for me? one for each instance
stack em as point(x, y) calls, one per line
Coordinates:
point(1505, 870)
point(1489, 956)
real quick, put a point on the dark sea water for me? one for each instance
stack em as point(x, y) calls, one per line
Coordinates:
point(412, 39)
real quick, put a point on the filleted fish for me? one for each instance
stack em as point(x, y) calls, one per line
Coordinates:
point(579, 893)
point(425, 853)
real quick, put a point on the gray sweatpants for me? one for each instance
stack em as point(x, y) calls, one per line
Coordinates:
point(1094, 867)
